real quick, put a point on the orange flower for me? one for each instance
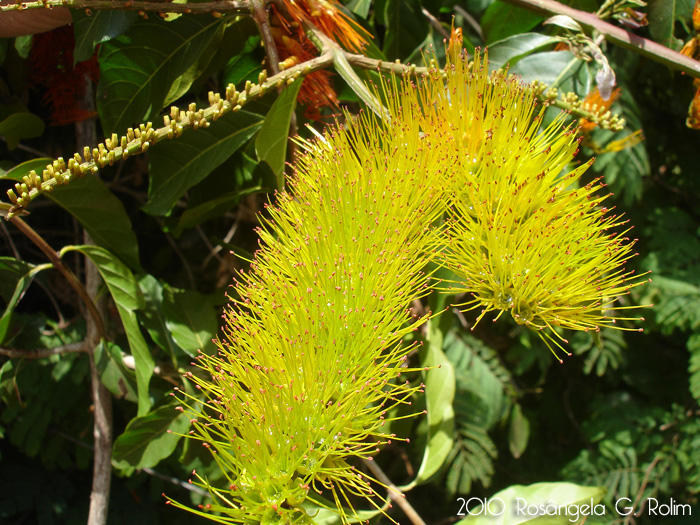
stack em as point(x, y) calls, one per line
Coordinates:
point(334, 23)
point(51, 60)
point(693, 120)
point(690, 48)
point(696, 15)
point(316, 91)
point(595, 103)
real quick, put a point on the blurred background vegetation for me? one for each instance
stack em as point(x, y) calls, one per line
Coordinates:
point(621, 412)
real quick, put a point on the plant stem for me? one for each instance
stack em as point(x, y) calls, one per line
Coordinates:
point(617, 35)
point(71, 348)
point(221, 6)
point(394, 493)
point(86, 133)
point(72, 280)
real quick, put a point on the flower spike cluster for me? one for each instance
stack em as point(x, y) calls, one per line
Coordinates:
point(522, 235)
point(313, 356)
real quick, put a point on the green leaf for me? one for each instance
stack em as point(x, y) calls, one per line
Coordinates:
point(518, 432)
point(200, 67)
point(114, 374)
point(439, 393)
point(138, 68)
point(213, 208)
point(21, 125)
point(146, 440)
point(662, 19)
point(271, 142)
point(15, 278)
point(406, 29)
point(483, 383)
point(97, 28)
point(152, 317)
point(176, 166)
point(509, 506)
point(510, 50)
point(127, 297)
point(559, 69)
point(359, 7)
point(502, 20)
point(244, 64)
point(355, 83)
point(97, 209)
point(191, 318)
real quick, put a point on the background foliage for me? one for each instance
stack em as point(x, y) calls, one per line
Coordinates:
point(620, 413)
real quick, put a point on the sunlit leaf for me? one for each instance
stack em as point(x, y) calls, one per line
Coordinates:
point(127, 297)
point(138, 68)
point(178, 165)
point(98, 27)
point(146, 440)
point(271, 142)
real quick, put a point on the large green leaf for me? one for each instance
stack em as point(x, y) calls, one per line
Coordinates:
point(271, 142)
point(663, 15)
point(98, 27)
point(96, 208)
point(191, 318)
point(502, 20)
point(201, 66)
point(139, 67)
point(510, 50)
point(146, 440)
point(152, 317)
point(406, 29)
point(359, 7)
point(21, 125)
point(559, 69)
point(114, 374)
point(212, 208)
point(178, 165)
point(127, 297)
point(15, 278)
point(439, 394)
point(522, 503)
point(244, 65)
point(518, 432)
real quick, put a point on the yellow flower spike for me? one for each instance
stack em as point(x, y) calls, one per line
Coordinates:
point(312, 358)
point(313, 352)
point(521, 235)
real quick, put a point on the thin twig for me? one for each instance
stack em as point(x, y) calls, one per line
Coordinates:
point(175, 481)
point(258, 12)
point(221, 6)
point(617, 35)
point(15, 252)
point(86, 133)
point(72, 280)
point(394, 493)
point(643, 487)
point(470, 20)
point(70, 348)
point(435, 23)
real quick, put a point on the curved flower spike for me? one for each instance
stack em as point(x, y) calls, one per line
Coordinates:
point(313, 356)
point(522, 235)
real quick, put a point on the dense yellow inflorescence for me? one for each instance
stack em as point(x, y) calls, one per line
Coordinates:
point(313, 356)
